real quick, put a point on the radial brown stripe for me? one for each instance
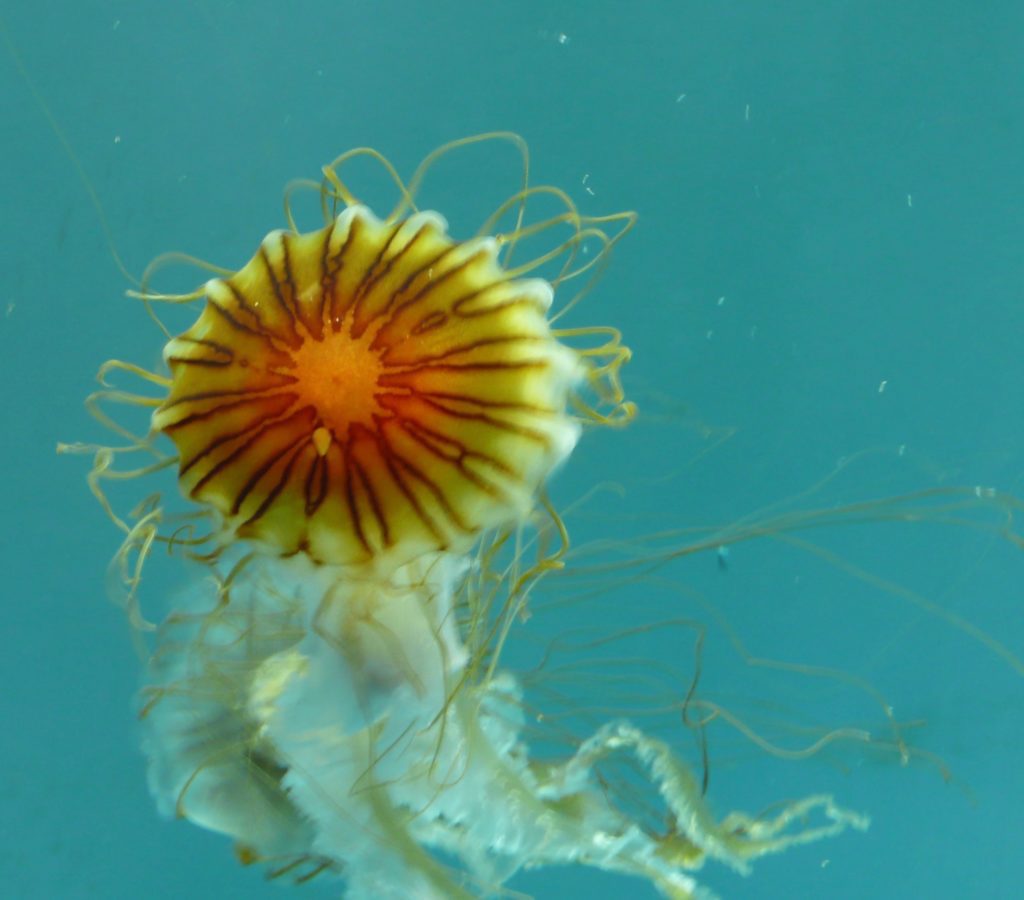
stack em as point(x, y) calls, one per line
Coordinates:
point(458, 461)
point(471, 346)
point(315, 268)
point(351, 472)
point(268, 497)
point(436, 441)
point(234, 399)
point(275, 283)
point(490, 404)
point(375, 505)
point(392, 462)
point(236, 323)
point(224, 422)
point(253, 436)
point(436, 262)
point(197, 361)
point(369, 392)
point(334, 298)
point(258, 472)
point(316, 484)
point(286, 280)
point(452, 267)
point(386, 262)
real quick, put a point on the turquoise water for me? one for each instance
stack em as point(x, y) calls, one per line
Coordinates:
point(827, 271)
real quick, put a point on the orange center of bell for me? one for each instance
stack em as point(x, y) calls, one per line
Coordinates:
point(339, 376)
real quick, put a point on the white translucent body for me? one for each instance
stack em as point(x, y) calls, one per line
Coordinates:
point(317, 715)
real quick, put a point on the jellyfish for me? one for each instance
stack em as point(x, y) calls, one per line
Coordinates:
point(362, 420)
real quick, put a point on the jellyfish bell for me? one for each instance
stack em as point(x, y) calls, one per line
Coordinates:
point(369, 391)
point(373, 389)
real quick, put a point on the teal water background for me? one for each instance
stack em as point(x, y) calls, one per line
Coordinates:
point(828, 262)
